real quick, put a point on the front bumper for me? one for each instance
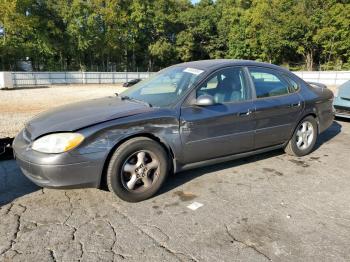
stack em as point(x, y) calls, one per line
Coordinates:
point(342, 107)
point(342, 114)
point(78, 175)
point(64, 170)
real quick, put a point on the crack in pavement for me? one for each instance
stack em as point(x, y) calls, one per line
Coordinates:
point(114, 240)
point(159, 244)
point(52, 255)
point(159, 229)
point(80, 243)
point(71, 208)
point(81, 246)
point(13, 241)
point(14, 236)
point(122, 256)
point(9, 208)
point(74, 228)
point(246, 244)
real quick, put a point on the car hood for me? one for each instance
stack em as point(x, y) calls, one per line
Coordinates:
point(344, 90)
point(82, 114)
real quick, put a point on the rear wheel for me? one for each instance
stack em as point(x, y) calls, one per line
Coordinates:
point(304, 138)
point(137, 169)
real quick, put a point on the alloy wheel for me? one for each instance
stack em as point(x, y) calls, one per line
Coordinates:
point(305, 135)
point(140, 171)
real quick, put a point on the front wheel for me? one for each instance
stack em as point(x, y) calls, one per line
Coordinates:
point(137, 169)
point(304, 138)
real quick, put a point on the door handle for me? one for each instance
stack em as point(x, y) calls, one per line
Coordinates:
point(296, 104)
point(246, 113)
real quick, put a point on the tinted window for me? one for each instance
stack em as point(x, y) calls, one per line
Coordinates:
point(293, 86)
point(227, 85)
point(268, 83)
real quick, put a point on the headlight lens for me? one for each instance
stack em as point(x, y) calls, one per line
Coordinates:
point(57, 143)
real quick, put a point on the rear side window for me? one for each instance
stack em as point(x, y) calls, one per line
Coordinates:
point(268, 83)
point(293, 86)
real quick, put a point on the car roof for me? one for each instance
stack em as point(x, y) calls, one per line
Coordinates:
point(209, 65)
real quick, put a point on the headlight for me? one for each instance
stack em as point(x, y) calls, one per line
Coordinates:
point(57, 143)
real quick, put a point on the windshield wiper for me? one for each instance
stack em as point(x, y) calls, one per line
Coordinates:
point(136, 100)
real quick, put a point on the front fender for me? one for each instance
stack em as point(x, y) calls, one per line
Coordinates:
point(106, 137)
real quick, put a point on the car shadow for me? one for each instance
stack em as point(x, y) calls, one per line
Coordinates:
point(13, 184)
point(6, 152)
point(182, 178)
point(24, 88)
point(342, 119)
point(329, 134)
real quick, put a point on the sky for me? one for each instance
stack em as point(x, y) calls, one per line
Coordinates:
point(195, 1)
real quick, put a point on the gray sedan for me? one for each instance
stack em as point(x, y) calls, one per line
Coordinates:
point(185, 116)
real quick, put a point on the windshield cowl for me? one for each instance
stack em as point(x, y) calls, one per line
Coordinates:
point(135, 100)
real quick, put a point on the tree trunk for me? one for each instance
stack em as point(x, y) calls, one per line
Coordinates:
point(107, 63)
point(126, 59)
point(309, 59)
point(133, 58)
point(150, 65)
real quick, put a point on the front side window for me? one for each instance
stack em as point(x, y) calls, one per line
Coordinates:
point(227, 85)
point(166, 87)
point(268, 83)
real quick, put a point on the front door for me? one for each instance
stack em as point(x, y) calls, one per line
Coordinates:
point(222, 129)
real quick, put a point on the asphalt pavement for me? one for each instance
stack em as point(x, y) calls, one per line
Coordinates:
point(266, 207)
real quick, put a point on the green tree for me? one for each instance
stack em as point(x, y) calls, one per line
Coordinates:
point(107, 35)
point(17, 38)
point(334, 37)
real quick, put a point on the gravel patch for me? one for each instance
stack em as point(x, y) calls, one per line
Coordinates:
point(19, 105)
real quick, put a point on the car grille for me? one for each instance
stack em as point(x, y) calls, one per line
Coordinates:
point(342, 110)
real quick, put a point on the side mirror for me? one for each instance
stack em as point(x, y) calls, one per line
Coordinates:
point(204, 100)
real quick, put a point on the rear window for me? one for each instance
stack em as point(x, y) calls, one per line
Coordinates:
point(268, 83)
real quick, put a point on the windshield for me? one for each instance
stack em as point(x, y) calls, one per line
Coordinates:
point(164, 88)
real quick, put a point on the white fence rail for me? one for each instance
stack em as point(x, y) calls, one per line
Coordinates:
point(29, 79)
point(23, 79)
point(330, 78)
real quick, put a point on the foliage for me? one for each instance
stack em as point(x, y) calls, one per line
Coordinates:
point(118, 35)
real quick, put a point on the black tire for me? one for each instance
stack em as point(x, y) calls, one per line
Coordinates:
point(116, 176)
point(292, 147)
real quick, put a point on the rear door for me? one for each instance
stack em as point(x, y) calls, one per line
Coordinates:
point(224, 128)
point(278, 106)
